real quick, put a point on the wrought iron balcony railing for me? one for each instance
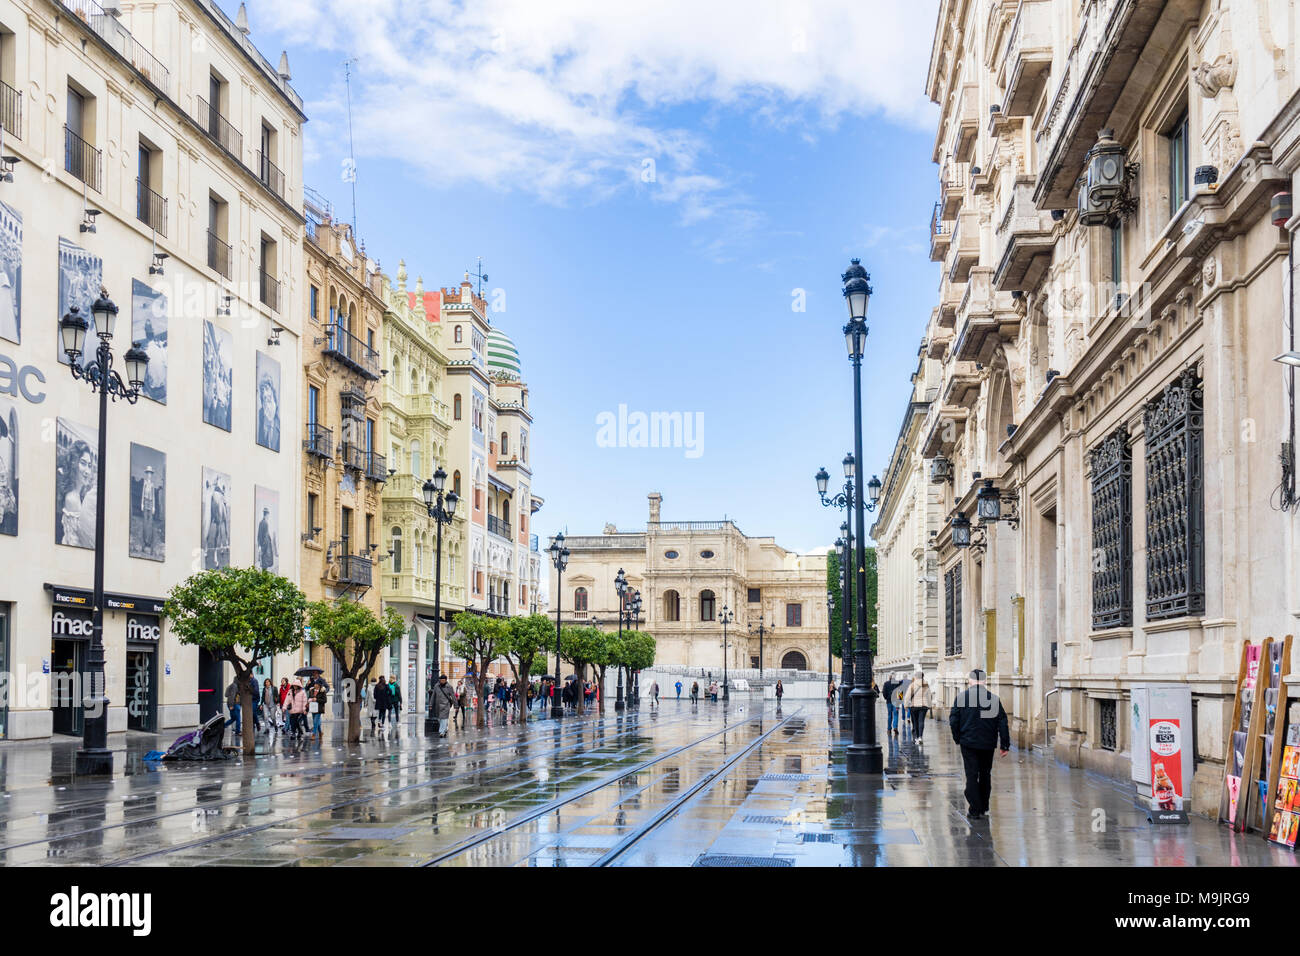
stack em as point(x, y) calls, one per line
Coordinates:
point(150, 208)
point(11, 110)
point(108, 29)
point(319, 441)
point(218, 127)
point(355, 569)
point(219, 254)
point(376, 467)
point(351, 351)
point(268, 290)
point(269, 174)
point(353, 456)
point(82, 160)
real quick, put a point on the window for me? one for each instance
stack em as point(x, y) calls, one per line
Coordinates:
point(505, 445)
point(311, 512)
point(478, 582)
point(1175, 499)
point(455, 408)
point(1117, 259)
point(370, 531)
point(794, 615)
point(523, 446)
point(755, 595)
point(455, 483)
point(219, 255)
point(345, 532)
point(268, 284)
point(397, 550)
point(706, 555)
point(672, 606)
point(81, 158)
point(313, 303)
point(580, 599)
point(1178, 164)
point(370, 440)
point(460, 337)
point(150, 207)
point(313, 406)
point(1106, 722)
point(708, 610)
point(415, 458)
point(1112, 532)
point(670, 555)
point(952, 612)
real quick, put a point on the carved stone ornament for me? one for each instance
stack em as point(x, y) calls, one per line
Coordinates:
point(1207, 273)
point(1211, 76)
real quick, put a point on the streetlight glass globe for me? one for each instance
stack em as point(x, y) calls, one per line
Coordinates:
point(429, 492)
point(823, 478)
point(453, 499)
point(873, 489)
point(849, 465)
point(105, 314)
point(439, 480)
point(72, 329)
point(136, 363)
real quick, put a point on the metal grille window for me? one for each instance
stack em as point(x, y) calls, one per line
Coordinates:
point(1106, 720)
point(1175, 499)
point(952, 612)
point(1112, 532)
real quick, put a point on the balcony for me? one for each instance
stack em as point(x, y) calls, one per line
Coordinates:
point(352, 456)
point(967, 123)
point(409, 487)
point(268, 290)
point(219, 254)
point(376, 467)
point(319, 441)
point(937, 344)
point(150, 208)
point(498, 526)
point(355, 569)
point(268, 174)
point(11, 110)
point(208, 116)
point(83, 160)
point(427, 406)
point(952, 189)
point(351, 351)
point(950, 297)
point(1029, 57)
point(946, 424)
point(940, 234)
point(499, 605)
point(965, 245)
point(962, 385)
point(1024, 240)
point(108, 29)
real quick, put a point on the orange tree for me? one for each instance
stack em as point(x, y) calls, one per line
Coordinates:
point(356, 637)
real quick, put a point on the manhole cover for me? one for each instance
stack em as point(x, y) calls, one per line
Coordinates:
point(718, 859)
point(785, 776)
point(361, 833)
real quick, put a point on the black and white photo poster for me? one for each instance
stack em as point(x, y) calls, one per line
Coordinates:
point(268, 402)
point(266, 529)
point(81, 276)
point(148, 532)
point(218, 376)
point(8, 467)
point(216, 519)
point(149, 328)
point(11, 273)
point(76, 502)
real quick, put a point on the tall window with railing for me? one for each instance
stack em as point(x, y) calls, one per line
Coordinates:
point(150, 207)
point(1173, 429)
point(80, 157)
point(1112, 532)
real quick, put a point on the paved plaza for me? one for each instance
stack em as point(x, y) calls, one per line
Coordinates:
point(744, 783)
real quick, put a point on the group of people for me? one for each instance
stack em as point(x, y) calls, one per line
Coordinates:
point(907, 702)
point(381, 701)
point(284, 708)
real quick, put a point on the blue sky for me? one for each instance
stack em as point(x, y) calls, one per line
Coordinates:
point(785, 138)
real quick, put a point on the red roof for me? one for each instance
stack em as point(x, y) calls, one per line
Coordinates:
point(432, 305)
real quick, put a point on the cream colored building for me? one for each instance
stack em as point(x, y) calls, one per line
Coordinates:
point(1115, 380)
point(164, 128)
point(686, 572)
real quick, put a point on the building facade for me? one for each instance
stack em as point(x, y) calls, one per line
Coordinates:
point(1115, 247)
point(345, 466)
point(133, 175)
point(686, 573)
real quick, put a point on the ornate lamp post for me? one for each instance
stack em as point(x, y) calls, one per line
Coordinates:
point(761, 630)
point(620, 585)
point(94, 757)
point(830, 634)
point(843, 500)
point(633, 623)
point(726, 617)
point(864, 754)
point(441, 510)
point(560, 558)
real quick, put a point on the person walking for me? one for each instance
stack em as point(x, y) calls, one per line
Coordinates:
point(830, 692)
point(695, 692)
point(890, 710)
point(919, 701)
point(232, 705)
point(383, 697)
point(780, 691)
point(462, 700)
point(296, 708)
point(395, 699)
point(979, 725)
point(679, 690)
point(654, 693)
point(900, 694)
point(270, 705)
point(317, 700)
point(444, 699)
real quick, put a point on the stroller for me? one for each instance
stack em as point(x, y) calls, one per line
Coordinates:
point(202, 744)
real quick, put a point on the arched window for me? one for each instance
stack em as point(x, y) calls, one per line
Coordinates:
point(397, 550)
point(415, 457)
point(455, 407)
point(505, 445)
point(419, 554)
point(455, 483)
point(672, 606)
point(707, 609)
point(794, 661)
point(580, 599)
point(459, 335)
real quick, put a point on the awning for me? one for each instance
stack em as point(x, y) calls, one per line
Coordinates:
point(499, 484)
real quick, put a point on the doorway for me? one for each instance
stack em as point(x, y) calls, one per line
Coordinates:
point(141, 688)
point(211, 692)
point(66, 667)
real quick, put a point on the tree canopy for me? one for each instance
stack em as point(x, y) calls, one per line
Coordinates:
point(356, 637)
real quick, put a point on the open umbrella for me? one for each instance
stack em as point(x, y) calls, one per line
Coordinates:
point(308, 671)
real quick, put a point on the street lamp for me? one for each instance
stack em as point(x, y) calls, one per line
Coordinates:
point(864, 754)
point(441, 510)
point(633, 623)
point(762, 629)
point(843, 500)
point(620, 585)
point(726, 617)
point(830, 634)
point(560, 558)
point(94, 757)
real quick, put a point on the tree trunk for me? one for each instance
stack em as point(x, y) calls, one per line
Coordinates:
point(250, 732)
point(354, 721)
point(580, 671)
point(480, 710)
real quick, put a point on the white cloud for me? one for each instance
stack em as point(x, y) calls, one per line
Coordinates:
point(565, 99)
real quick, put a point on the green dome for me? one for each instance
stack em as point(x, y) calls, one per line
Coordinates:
point(502, 356)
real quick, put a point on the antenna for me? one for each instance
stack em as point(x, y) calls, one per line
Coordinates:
point(481, 276)
point(352, 156)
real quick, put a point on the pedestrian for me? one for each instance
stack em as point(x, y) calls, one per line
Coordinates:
point(780, 692)
point(317, 699)
point(232, 705)
point(679, 690)
point(383, 696)
point(654, 692)
point(891, 711)
point(443, 701)
point(255, 695)
point(918, 702)
point(270, 705)
point(713, 691)
point(462, 697)
point(830, 692)
point(395, 698)
point(900, 709)
point(296, 708)
point(695, 692)
point(979, 725)
point(284, 691)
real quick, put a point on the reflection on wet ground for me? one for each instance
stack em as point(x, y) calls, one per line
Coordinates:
point(739, 784)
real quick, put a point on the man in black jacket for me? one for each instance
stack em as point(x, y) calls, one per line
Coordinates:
point(888, 690)
point(979, 725)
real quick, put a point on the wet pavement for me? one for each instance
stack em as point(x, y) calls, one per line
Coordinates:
point(739, 784)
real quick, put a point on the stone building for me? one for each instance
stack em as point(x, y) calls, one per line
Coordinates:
point(686, 573)
point(345, 465)
point(1114, 241)
point(133, 172)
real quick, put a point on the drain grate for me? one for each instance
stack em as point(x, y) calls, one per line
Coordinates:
point(361, 833)
point(718, 859)
point(816, 837)
point(762, 818)
point(785, 776)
